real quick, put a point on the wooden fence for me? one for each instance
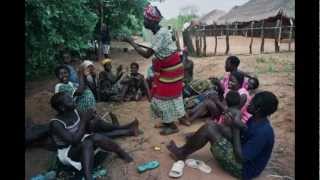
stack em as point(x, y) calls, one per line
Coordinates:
point(199, 36)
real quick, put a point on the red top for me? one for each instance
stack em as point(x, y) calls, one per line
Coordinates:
point(168, 76)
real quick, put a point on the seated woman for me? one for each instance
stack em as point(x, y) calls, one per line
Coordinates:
point(81, 93)
point(109, 83)
point(244, 157)
point(92, 78)
point(77, 135)
point(210, 104)
point(134, 86)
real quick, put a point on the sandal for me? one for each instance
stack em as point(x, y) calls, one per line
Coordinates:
point(168, 131)
point(197, 164)
point(148, 166)
point(177, 169)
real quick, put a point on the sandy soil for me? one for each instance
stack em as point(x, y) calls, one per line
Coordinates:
point(275, 72)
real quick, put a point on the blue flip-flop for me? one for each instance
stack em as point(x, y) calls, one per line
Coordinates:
point(148, 166)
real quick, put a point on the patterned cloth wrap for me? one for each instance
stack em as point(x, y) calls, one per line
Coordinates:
point(167, 110)
point(222, 151)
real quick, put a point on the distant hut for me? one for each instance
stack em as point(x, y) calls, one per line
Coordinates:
point(212, 16)
point(258, 11)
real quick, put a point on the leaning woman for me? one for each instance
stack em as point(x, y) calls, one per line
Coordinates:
point(166, 102)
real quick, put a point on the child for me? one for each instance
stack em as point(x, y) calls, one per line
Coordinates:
point(231, 65)
point(108, 83)
point(134, 86)
point(75, 144)
point(82, 95)
point(235, 83)
point(73, 77)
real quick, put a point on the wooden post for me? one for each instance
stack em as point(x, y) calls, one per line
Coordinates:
point(227, 39)
point(276, 43)
point(200, 40)
point(235, 31)
point(177, 40)
point(262, 37)
point(204, 43)
point(215, 38)
point(290, 34)
point(251, 41)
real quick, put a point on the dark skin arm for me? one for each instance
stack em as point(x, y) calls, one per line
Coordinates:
point(146, 87)
point(243, 100)
point(236, 144)
point(144, 51)
point(82, 85)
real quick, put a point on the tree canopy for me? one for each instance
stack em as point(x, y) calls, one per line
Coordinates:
point(55, 25)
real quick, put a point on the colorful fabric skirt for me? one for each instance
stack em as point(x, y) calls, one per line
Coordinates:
point(222, 150)
point(167, 110)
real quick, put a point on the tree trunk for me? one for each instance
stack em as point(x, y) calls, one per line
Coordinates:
point(262, 38)
point(187, 41)
point(251, 41)
point(227, 39)
point(100, 55)
point(177, 40)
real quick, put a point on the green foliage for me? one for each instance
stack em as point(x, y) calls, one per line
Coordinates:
point(54, 25)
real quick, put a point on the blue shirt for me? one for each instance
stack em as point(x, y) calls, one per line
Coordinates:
point(73, 76)
point(257, 143)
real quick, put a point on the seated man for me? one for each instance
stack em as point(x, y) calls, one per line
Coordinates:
point(256, 142)
point(134, 86)
point(109, 83)
point(78, 134)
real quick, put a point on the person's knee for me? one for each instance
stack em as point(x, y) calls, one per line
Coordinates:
point(87, 143)
point(210, 126)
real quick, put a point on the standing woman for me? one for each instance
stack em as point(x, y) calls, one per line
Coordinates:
point(166, 90)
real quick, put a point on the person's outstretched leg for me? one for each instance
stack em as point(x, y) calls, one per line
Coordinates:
point(99, 125)
point(203, 108)
point(87, 158)
point(107, 144)
point(206, 133)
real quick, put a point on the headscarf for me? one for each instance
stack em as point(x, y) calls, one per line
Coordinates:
point(152, 13)
point(106, 61)
point(86, 64)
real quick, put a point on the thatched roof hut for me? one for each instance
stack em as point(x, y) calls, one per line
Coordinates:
point(257, 10)
point(212, 16)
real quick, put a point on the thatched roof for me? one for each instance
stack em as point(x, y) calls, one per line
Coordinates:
point(212, 16)
point(256, 10)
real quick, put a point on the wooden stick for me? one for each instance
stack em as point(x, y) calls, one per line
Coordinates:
point(276, 43)
point(290, 35)
point(204, 43)
point(262, 38)
point(216, 41)
point(251, 41)
point(227, 40)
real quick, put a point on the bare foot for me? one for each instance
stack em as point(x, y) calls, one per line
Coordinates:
point(175, 152)
point(185, 122)
point(114, 119)
point(125, 156)
point(159, 125)
point(135, 127)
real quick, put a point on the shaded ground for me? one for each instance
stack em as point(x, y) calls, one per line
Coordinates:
point(275, 72)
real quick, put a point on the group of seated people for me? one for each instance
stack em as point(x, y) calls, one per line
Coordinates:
point(78, 132)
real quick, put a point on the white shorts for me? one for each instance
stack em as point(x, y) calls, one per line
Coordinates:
point(66, 160)
point(105, 48)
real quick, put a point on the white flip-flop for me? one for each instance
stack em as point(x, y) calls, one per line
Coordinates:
point(177, 169)
point(197, 164)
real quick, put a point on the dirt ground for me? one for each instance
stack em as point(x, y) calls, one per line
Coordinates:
point(275, 72)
